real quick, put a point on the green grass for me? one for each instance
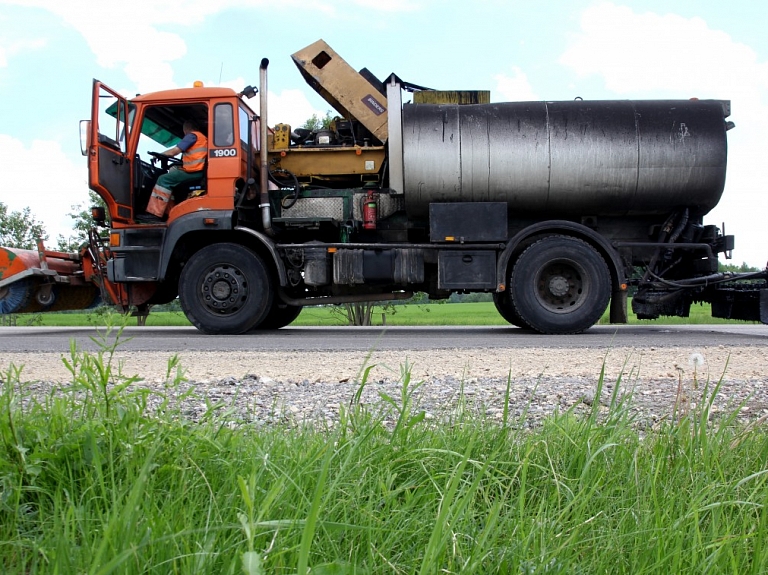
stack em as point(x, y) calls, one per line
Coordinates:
point(92, 481)
point(403, 315)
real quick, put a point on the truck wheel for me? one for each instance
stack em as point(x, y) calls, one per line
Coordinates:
point(507, 310)
point(279, 316)
point(225, 289)
point(560, 285)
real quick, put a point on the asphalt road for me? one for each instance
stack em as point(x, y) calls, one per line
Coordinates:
point(176, 339)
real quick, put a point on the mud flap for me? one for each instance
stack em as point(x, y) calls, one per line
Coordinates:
point(619, 312)
point(745, 303)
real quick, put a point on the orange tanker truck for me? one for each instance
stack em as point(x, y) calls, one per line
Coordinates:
point(558, 209)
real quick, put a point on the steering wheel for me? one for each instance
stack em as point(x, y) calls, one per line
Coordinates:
point(165, 161)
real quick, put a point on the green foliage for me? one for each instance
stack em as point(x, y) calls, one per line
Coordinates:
point(107, 475)
point(83, 223)
point(15, 319)
point(360, 313)
point(743, 268)
point(470, 297)
point(482, 313)
point(318, 123)
point(20, 229)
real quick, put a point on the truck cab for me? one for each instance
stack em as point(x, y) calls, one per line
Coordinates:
point(123, 135)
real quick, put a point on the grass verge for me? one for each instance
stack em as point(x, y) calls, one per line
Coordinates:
point(93, 481)
point(476, 313)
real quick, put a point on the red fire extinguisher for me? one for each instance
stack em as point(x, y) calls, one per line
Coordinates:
point(369, 211)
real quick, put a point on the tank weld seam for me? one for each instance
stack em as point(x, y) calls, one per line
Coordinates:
point(637, 147)
point(549, 154)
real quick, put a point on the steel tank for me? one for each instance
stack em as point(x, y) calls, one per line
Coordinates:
point(570, 158)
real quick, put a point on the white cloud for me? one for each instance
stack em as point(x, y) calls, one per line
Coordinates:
point(389, 5)
point(287, 107)
point(291, 107)
point(13, 48)
point(111, 28)
point(44, 179)
point(648, 55)
point(637, 53)
point(515, 88)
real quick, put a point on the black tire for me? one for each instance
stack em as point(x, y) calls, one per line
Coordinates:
point(225, 289)
point(507, 310)
point(560, 285)
point(279, 316)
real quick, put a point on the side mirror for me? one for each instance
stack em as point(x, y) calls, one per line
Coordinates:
point(85, 134)
point(249, 92)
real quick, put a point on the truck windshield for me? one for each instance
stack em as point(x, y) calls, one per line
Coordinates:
point(149, 127)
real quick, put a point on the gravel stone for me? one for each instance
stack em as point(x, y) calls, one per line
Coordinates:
point(294, 387)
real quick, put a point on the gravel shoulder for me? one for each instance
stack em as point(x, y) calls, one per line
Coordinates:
point(731, 363)
point(310, 386)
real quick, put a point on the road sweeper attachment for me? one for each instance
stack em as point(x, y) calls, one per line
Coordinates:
point(43, 280)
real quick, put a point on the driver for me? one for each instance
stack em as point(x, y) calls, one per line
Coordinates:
point(193, 148)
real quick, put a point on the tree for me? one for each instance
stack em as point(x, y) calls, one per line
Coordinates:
point(318, 123)
point(83, 223)
point(740, 269)
point(20, 229)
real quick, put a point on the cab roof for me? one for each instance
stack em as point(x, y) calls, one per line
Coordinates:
point(185, 94)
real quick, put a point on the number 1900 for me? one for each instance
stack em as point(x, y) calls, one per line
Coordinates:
point(224, 153)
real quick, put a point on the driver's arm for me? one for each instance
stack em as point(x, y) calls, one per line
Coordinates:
point(172, 151)
point(184, 144)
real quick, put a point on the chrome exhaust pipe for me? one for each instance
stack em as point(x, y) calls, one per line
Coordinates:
point(266, 216)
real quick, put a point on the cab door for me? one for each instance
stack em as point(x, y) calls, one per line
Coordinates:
point(110, 167)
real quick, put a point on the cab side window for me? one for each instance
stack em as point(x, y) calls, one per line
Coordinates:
point(243, 117)
point(223, 126)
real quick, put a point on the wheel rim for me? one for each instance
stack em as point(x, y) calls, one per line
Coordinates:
point(561, 286)
point(224, 289)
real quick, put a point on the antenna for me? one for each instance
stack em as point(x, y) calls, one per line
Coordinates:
point(221, 71)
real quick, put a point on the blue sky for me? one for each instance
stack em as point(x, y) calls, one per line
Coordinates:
point(50, 50)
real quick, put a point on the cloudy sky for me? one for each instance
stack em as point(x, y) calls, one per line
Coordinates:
point(50, 50)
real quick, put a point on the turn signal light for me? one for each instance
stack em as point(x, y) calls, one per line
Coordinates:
point(98, 213)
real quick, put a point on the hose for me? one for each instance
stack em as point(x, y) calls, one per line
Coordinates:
point(712, 279)
point(296, 187)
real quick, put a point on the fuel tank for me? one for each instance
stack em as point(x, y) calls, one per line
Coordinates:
point(610, 158)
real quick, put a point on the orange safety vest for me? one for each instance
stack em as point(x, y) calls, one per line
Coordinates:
point(193, 160)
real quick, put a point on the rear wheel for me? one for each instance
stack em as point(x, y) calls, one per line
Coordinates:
point(225, 289)
point(279, 316)
point(560, 285)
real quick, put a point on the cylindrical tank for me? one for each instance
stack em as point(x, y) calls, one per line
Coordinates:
point(567, 158)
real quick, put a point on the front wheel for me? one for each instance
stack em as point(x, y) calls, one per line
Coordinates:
point(225, 289)
point(560, 285)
